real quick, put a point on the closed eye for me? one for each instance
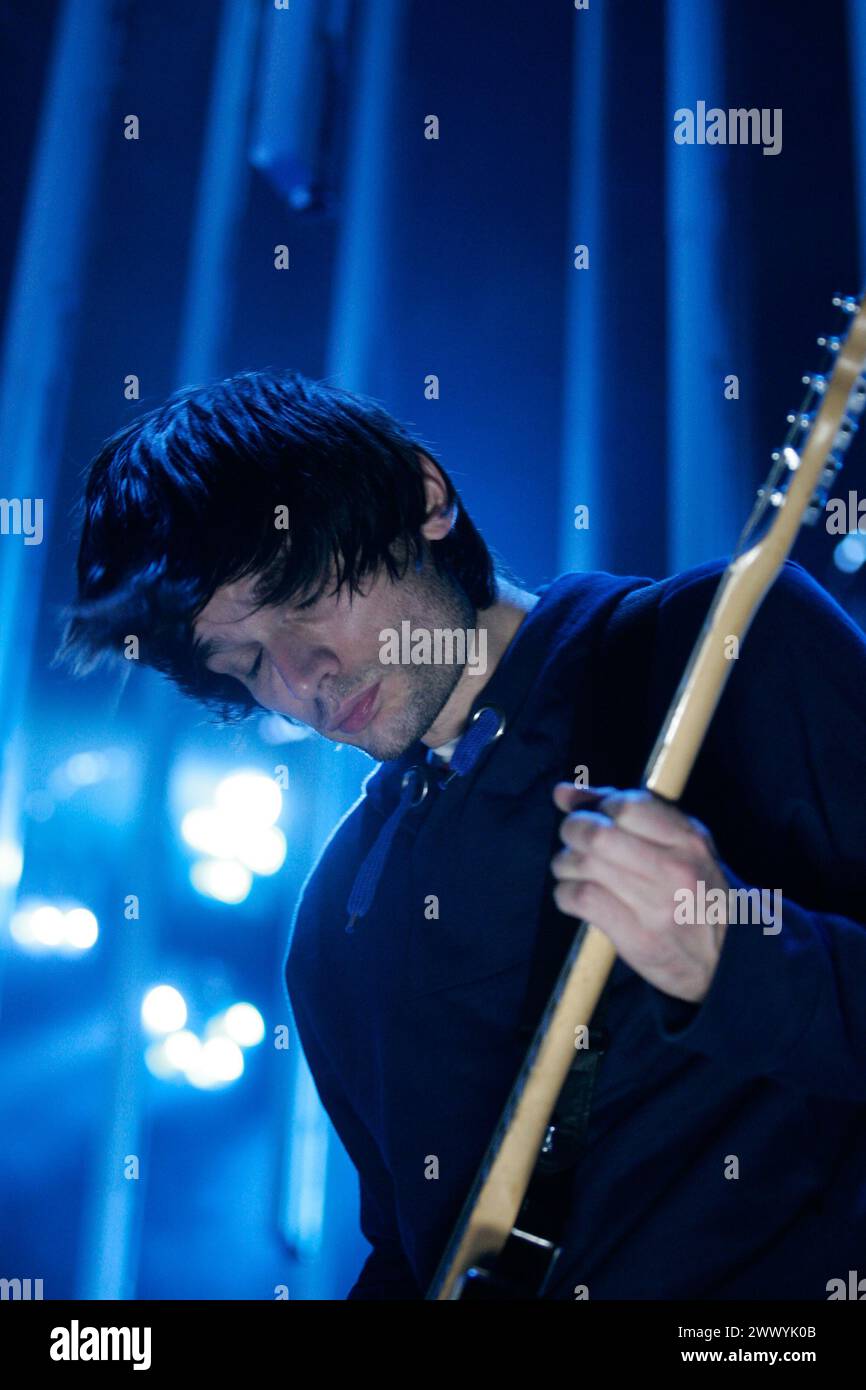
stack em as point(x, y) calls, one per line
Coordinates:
point(254, 670)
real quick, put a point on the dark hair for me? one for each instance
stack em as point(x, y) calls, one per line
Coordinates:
point(185, 498)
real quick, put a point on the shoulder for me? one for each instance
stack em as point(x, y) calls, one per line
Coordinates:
point(801, 655)
point(795, 608)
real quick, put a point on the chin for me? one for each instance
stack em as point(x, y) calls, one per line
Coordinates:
point(387, 744)
point(386, 751)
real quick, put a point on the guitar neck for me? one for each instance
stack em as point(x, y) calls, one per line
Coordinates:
point(797, 485)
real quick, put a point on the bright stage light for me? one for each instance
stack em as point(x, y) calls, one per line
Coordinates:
point(47, 925)
point(84, 769)
point(44, 926)
point(243, 1024)
point(219, 1062)
point(21, 927)
point(850, 553)
point(207, 1064)
point(163, 1009)
point(250, 798)
point(222, 879)
point(80, 928)
point(182, 1049)
point(11, 863)
point(158, 1062)
point(210, 831)
point(171, 1057)
point(262, 848)
point(237, 835)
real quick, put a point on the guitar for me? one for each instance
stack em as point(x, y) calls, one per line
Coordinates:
point(489, 1254)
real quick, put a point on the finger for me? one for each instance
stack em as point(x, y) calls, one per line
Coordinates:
point(592, 838)
point(654, 819)
point(568, 797)
point(632, 888)
point(594, 903)
point(629, 890)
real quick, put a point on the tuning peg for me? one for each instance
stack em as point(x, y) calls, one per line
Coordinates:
point(832, 344)
point(817, 381)
point(844, 435)
point(775, 498)
point(828, 474)
point(846, 302)
point(857, 398)
point(788, 456)
point(803, 419)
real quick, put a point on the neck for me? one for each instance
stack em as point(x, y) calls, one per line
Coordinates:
point(500, 622)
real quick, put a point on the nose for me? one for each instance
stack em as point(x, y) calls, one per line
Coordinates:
point(301, 669)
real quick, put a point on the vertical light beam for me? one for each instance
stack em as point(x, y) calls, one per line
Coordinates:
point(709, 482)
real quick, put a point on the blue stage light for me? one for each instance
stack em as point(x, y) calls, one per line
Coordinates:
point(218, 1063)
point(223, 879)
point(88, 768)
point(850, 553)
point(46, 924)
point(11, 863)
point(171, 1057)
point(163, 1009)
point(238, 834)
point(242, 1023)
point(182, 1049)
point(42, 926)
point(212, 831)
point(249, 798)
point(158, 1062)
point(262, 849)
point(83, 769)
point(80, 928)
point(205, 829)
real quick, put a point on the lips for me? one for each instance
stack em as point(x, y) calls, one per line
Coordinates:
point(358, 714)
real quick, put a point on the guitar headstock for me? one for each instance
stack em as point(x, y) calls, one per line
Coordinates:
point(805, 467)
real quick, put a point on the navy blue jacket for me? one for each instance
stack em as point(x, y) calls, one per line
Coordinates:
point(411, 1023)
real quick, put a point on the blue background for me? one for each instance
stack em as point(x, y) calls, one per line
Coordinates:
point(304, 127)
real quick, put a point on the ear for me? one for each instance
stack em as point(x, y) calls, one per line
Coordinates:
point(440, 517)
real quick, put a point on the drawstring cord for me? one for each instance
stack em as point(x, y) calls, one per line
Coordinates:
point(486, 725)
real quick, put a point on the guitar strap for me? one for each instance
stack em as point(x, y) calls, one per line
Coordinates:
point(626, 649)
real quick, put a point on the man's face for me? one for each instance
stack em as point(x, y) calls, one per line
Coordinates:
point(321, 664)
